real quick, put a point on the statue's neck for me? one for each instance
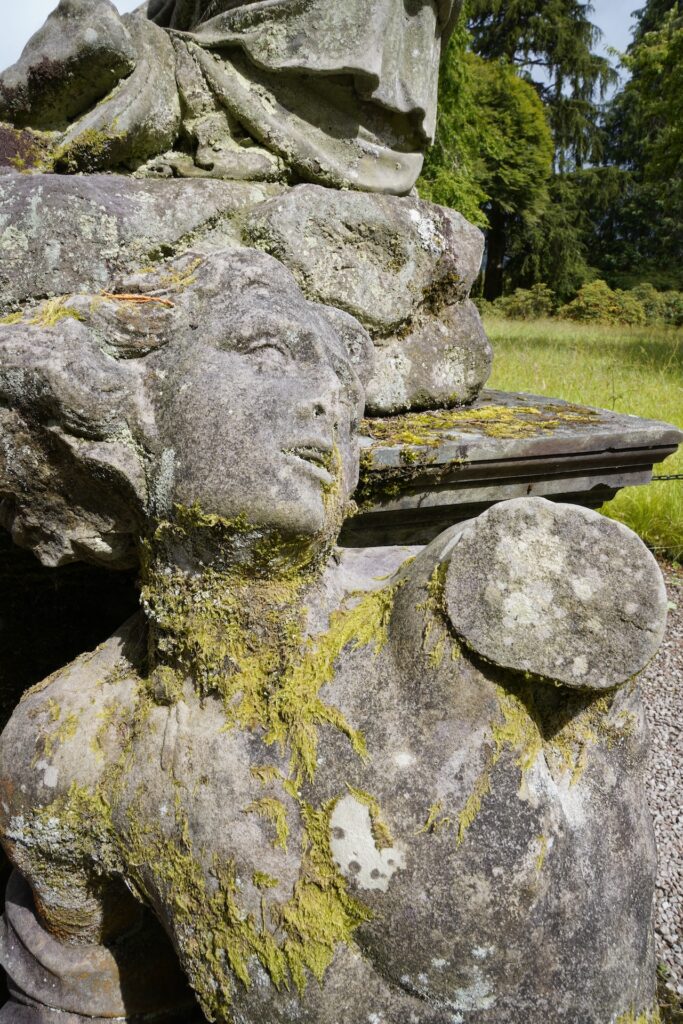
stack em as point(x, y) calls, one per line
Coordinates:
point(223, 629)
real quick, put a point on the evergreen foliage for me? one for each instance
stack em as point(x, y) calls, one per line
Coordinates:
point(553, 42)
point(520, 91)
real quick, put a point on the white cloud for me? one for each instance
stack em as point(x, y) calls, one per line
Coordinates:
point(21, 18)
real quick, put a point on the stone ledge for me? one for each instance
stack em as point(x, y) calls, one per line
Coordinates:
point(423, 472)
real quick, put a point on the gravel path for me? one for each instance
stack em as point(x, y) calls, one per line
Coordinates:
point(663, 696)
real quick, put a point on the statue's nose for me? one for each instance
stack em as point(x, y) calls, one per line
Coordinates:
point(321, 402)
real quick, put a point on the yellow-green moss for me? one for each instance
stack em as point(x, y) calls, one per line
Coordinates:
point(470, 811)
point(66, 731)
point(435, 821)
point(53, 311)
point(642, 1018)
point(108, 717)
point(88, 152)
point(275, 812)
point(381, 833)
point(538, 718)
point(427, 429)
point(264, 881)
point(48, 315)
point(437, 636)
point(237, 629)
point(543, 847)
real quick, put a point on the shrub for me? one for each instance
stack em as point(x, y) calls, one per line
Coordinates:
point(527, 303)
point(598, 303)
point(672, 308)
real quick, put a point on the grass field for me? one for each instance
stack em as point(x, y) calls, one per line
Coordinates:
point(628, 369)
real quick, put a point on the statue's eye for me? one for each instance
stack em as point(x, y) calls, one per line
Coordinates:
point(270, 355)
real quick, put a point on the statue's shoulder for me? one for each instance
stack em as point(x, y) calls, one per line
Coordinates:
point(43, 751)
point(544, 590)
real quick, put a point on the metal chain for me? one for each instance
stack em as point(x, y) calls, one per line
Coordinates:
point(671, 476)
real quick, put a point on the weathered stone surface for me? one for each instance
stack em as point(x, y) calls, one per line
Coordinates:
point(378, 257)
point(340, 96)
point(403, 267)
point(345, 95)
point(137, 120)
point(557, 591)
point(517, 803)
point(62, 234)
point(76, 58)
point(443, 360)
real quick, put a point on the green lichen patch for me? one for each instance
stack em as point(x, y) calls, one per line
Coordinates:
point(11, 318)
point(427, 429)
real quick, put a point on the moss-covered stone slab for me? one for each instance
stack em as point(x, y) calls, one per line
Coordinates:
point(421, 472)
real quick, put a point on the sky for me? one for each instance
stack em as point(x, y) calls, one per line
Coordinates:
point(21, 18)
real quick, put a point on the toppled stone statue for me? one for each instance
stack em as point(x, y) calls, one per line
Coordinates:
point(338, 94)
point(382, 785)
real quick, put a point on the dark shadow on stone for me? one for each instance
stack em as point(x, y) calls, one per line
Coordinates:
point(50, 616)
point(47, 618)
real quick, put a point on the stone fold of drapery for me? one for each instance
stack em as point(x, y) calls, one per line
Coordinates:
point(344, 93)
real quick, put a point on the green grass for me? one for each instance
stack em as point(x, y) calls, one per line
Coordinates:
point(636, 370)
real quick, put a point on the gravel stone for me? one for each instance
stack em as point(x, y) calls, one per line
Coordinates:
point(662, 691)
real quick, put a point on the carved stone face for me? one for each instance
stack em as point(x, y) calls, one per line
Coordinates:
point(222, 387)
point(259, 404)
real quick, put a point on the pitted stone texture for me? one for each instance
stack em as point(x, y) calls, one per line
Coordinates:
point(557, 591)
point(378, 257)
point(443, 361)
point(403, 267)
point(64, 234)
point(74, 60)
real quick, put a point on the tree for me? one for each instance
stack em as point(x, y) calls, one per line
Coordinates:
point(636, 202)
point(492, 158)
point(553, 43)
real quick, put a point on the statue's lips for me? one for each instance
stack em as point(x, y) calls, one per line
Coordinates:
point(317, 459)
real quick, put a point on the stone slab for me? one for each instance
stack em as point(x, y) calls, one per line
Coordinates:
point(423, 472)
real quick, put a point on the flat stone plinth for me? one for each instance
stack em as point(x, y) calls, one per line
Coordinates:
point(421, 472)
